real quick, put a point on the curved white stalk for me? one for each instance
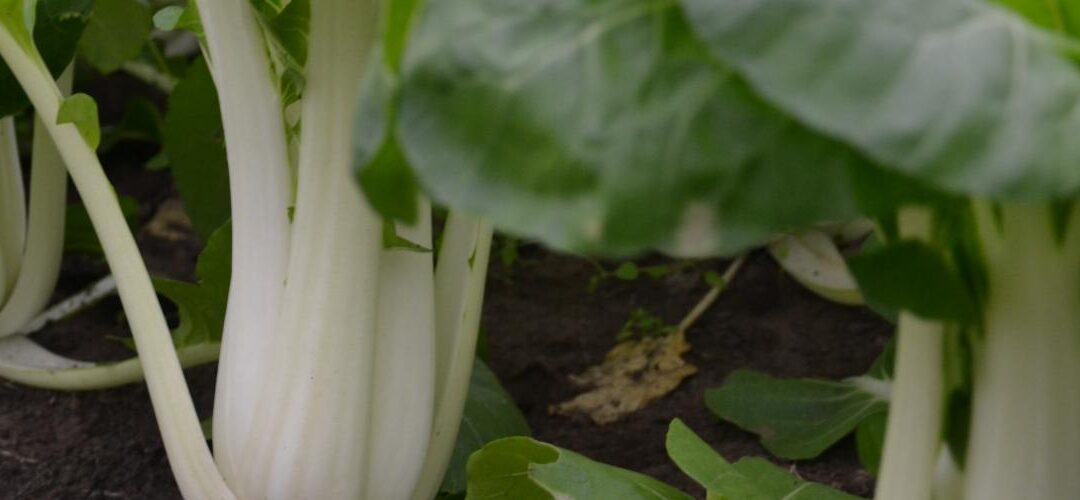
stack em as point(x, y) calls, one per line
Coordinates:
point(187, 450)
point(311, 419)
point(24, 361)
point(12, 208)
point(913, 435)
point(404, 371)
point(812, 259)
point(1024, 437)
point(459, 293)
point(260, 191)
point(45, 232)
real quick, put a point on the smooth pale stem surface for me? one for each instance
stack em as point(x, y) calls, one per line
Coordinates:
point(459, 293)
point(72, 305)
point(1025, 437)
point(45, 231)
point(188, 453)
point(812, 259)
point(24, 361)
point(404, 371)
point(913, 434)
point(260, 192)
point(311, 425)
point(12, 208)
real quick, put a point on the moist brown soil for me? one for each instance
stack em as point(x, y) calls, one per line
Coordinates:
point(541, 325)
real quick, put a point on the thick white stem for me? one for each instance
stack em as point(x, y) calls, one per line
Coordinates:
point(913, 435)
point(260, 192)
point(459, 294)
point(188, 453)
point(1025, 437)
point(404, 374)
point(45, 232)
point(12, 208)
point(311, 422)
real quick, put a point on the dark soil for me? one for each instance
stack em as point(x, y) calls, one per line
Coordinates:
point(541, 325)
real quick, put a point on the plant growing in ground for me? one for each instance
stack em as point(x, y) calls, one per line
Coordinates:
point(702, 127)
point(343, 342)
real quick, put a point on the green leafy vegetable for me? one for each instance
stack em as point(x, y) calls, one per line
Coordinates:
point(202, 305)
point(521, 468)
point(635, 136)
point(81, 110)
point(57, 28)
point(194, 143)
point(797, 418)
point(115, 34)
point(490, 414)
point(747, 479)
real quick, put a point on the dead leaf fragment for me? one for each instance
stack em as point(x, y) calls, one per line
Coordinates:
point(633, 374)
point(170, 222)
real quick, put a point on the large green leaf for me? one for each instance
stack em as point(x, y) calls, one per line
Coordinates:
point(57, 27)
point(489, 414)
point(797, 418)
point(194, 142)
point(747, 479)
point(521, 468)
point(115, 34)
point(913, 276)
point(604, 125)
point(963, 94)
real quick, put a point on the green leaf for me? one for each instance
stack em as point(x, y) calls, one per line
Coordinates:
point(194, 142)
point(202, 305)
point(115, 34)
point(870, 441)
point(141, 122)
point(81, 111)
point(58, 26)
point(747, 479)
point(796, 418)
point(391, 239)
point(174, 17)
point(521, 468)
point(79, 234)
point(286, 32)
point(962, 94)
point(1054, 15)
point(913, 276)
point(489, 414)
point(603, 125)
point(627, 271)
point(384, 174)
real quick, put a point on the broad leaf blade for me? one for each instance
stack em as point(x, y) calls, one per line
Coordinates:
point(747, 479)
point(796, 418)
point(115, 34)
point(603, 125)
point(489, 414)
point(913, 276)
point(962, 94)
point(194, 142)
point(57, 28)
point(521, 468)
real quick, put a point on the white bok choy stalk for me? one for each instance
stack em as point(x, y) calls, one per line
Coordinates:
point(30, 249)
point(344, 403)
point(345, 363)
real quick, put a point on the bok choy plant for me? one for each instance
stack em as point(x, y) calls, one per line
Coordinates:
point(346, 352)
point(702, 126)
